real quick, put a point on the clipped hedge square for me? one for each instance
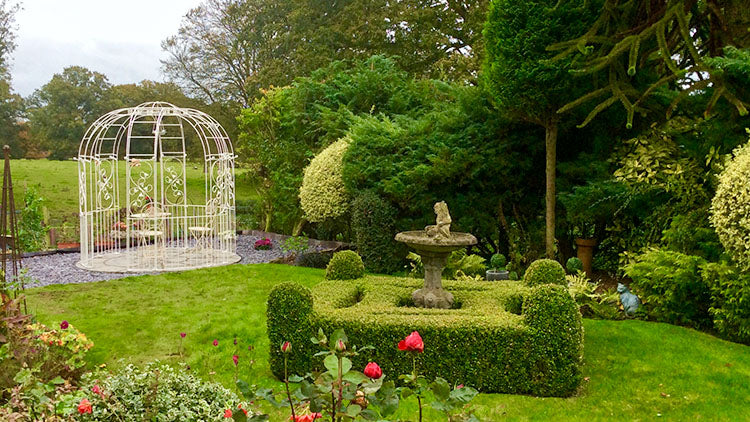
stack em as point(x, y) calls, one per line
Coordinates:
point(483, 343)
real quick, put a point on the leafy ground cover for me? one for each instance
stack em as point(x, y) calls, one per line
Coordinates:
point(635, 370)
point(57, 183)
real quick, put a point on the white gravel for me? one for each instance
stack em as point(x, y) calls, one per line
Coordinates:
point(60, 268)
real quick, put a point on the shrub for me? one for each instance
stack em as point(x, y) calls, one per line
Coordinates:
point(345, 265)
point(671, 289)
point(373, 226)
point(287, 314)
point(314, 259)
point(573, 265)
point(460, 264)
point(31, 229)
point(482, 344)
point(498, 261)
point(554, 321)
point(730, 207)
point(157, 392)
point(730, 295)
point(544, 271)
point(322, 195)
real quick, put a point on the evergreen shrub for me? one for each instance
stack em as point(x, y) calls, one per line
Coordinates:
point(482, 344)
point(544, 271)
point(322, 195)
point(345, 265)
point(730, 207)
point(374, 229)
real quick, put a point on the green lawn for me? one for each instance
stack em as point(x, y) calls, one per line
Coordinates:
point(636, 370)
point(57, 183)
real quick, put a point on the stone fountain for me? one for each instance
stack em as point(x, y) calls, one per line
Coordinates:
point(434, 244)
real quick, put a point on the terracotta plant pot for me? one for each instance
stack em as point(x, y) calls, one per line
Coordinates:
point(68, 245)
point(585, 252)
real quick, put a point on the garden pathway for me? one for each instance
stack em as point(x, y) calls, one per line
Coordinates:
point(60, 268)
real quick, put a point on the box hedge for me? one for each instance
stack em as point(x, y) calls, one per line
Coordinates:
point(491, 342)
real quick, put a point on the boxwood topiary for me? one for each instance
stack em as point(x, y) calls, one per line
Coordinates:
point(498, 261)
point(482, 344)
point(345, 265)
point(554, 321)
point(573, 265)
point(544, 271)
point(288, 317)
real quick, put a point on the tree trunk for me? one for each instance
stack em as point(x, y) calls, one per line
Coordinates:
point(551, 147)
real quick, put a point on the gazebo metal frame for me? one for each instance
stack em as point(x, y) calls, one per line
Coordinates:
point(157, 228)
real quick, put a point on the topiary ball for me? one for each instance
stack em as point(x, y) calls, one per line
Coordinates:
point(544, 271)
point(573, 265)
point(498, 261)
point(345, 265)
point(730, 207)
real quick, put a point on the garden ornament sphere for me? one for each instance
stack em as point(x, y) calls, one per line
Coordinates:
point(434, 244)
point(150, 221)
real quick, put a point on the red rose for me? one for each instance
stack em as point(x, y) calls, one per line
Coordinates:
point(227, 413)
point(235, 359)
point(286, 347)
point(372, 370)
point(96, 390)
point(412, 343)
point(85, 407)
point(306, 418)
point(64, 325)
point(216, 342)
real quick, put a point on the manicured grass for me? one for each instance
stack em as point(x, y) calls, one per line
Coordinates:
point(637, 370)
point(57, 183)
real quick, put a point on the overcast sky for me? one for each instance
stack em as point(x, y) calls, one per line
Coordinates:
point(120, 39)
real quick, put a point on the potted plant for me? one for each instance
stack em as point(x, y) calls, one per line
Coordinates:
point(68, 236)
point(588, 208)
point(498, 271)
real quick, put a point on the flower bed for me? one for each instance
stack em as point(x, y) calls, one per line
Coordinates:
point(481, 344)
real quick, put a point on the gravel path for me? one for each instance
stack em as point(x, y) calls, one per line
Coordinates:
point(60, 268)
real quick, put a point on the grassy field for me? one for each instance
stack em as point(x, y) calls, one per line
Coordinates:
point(57, 183)
point(635, 370)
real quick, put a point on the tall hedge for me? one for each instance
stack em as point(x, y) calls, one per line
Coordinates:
point(482, 344)
point(374, 229)
point(288, 319)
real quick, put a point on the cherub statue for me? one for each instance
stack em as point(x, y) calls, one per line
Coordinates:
point(442, 230)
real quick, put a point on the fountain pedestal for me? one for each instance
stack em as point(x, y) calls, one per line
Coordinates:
point(434, 252)
point(432, 294)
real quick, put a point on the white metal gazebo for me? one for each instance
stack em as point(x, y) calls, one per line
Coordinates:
point(150, 221)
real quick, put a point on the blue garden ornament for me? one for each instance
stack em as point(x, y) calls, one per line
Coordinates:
point(630, 302)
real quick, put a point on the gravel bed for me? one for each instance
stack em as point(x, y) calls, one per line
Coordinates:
point(60, 268)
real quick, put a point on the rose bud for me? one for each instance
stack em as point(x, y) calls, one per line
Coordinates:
point(286, 347)
point(373, 371)
point(340, 346)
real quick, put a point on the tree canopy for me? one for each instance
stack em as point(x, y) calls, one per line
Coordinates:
point(227, 50)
